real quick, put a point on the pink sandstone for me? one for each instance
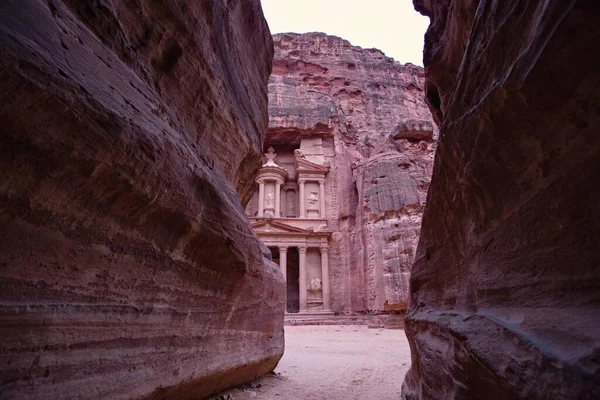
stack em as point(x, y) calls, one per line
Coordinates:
point(127, 266)
point(504, 299)
point(366, 116)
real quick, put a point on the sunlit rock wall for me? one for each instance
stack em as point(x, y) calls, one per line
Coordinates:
point(379, 138)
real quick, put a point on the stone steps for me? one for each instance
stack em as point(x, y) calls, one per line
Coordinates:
point(387, 321)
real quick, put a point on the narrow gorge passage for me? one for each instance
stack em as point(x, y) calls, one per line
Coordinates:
point(334, 362)
point(179, 182)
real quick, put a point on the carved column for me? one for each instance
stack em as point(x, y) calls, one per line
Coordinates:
point(283, 260)
point(302, 198)
point(283, 203)
point(302, 278)
point(283, 266)
point(322, 198)
point(325, 278)
point(261, 198)
point(277, 199)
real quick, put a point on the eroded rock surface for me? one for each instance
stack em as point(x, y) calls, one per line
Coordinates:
point(505, 288)
point(369, 115)
point(127, 266)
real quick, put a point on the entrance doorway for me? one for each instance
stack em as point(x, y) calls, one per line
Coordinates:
point(292, 277)
point(293, 280)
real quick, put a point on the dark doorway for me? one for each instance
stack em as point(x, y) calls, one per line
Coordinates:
point(293, 274)
point(292, 278)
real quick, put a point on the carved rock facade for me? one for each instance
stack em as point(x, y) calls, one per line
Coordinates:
point(505, 288)
point(356, 140)
point(127, 266)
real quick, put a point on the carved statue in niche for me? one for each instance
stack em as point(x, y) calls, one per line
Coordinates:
point(269, 200)
point(313, 200)
point(315, 285)
point(291, 205)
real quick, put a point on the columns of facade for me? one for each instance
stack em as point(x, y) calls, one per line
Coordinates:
point(325, 279)
point(322, 198)
point(302, 279)
point(277, 199)
point(302, 199)
point(261, 198)
point(283, 260)
point(283, 265)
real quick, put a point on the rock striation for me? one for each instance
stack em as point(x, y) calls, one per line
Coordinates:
point(505, 287)
point(368, 113)
point(127, 266)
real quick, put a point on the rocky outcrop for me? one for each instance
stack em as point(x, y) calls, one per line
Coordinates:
point(127, 266)
point(504, 291)
point(379, 138)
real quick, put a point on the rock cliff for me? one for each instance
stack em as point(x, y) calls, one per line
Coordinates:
point(505, 288)
point(379, 138)
point(127, 266)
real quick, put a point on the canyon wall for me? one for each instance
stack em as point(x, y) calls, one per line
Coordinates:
point(377, 134)
point(505, 289)
point(127, 266)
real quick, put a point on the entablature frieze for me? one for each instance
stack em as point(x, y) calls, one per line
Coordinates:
point(264, 178)
point(303, 178)
point(275, 173)
point(288, 243)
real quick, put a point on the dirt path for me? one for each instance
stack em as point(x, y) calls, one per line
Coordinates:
point(334, 362)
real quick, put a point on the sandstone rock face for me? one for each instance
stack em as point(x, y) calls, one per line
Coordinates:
point(127, 266)
point(505, 288)
point(379, 138)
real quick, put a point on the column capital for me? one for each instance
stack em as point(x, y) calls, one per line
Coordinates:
point(321, 181)
point(283, 249)
point(302, 180)
point(324, 250)
point(302, 249)
point(260, 181)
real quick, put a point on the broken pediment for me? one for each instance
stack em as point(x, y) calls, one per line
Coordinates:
point(305, 166)
point(277, 227)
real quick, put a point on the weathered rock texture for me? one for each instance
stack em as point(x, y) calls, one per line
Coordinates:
point(505, 290)
point(127, 266)
point(379, 138)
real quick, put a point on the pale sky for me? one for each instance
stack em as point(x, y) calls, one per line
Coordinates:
point(392, 26)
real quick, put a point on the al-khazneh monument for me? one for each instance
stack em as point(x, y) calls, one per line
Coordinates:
point(347, 164)
point(290, 215)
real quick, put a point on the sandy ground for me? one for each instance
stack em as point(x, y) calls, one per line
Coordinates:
point(334, 362)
